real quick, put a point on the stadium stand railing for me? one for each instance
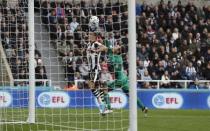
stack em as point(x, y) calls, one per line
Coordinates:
point(44, 82)
point(184, 84)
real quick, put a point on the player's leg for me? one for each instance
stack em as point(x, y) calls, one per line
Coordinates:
point(97, 93)
point(110, 86)
point(94, 86)
point(123, 84)
point(100, 98)
point(125, 89)
point(107, 100)
point(105, 105)
point(104, 100)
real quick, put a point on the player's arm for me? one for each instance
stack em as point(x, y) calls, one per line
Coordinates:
point(101, 47)
point(116, 49)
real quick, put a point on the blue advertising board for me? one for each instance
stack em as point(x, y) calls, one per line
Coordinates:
point(176, 99)
point(153, 99)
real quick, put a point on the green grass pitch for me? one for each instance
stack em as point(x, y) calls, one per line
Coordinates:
point(90, 120)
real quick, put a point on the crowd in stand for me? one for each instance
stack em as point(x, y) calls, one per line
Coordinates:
point(173, 41)
point(14, 39)
point(67, 23)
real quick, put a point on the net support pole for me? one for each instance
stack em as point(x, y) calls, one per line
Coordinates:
point(31, 107)
point(132, 65)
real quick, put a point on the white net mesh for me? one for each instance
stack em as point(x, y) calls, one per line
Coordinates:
point(67, 97)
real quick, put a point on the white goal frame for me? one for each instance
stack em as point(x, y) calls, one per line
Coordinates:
point(132, 65)
point(31, 107)
point(31, 99)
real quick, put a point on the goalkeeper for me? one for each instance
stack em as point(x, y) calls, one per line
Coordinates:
point(121, 79)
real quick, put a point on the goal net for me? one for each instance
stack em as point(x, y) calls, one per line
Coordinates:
point(68, 96)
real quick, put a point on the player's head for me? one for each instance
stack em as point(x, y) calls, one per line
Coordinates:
point(94, 36)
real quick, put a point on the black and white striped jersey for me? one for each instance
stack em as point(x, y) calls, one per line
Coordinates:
point(93, 56)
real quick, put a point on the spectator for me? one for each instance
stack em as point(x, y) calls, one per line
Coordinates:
point(74, 24)
point(60, 33)
point(24, 76)
point(84, 69)
point(100, 8)
point(165, 80)
point(68, 30)
point(169, 36)
point(109, 24)
point(111, 39)
point(105, 76)
point(175, 34)
point(53, 18)
point(141, 68)
point(146, 76)
point(143, 54)
point(45, 11)
point(199, 69)
point(70, 70)
point(60, 13)
point(64, 49)
point(77, 78)
point(6, 40)
point(207, 71)
point(138, 9)
point(40, 75)
point(207, 55)
point(190, 71)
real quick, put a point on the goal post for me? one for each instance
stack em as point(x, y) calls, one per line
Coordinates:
point(132, 65)
point(31, 107)
point(47, 61)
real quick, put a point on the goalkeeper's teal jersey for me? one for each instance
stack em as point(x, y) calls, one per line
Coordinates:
point(117, 63)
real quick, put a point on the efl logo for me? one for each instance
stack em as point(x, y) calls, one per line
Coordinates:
point(118, 100)
point(5, 99)
point(167, 100)
point(208, 101)
point(54, 99)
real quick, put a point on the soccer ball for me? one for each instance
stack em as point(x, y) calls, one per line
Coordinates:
point(94, 23)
